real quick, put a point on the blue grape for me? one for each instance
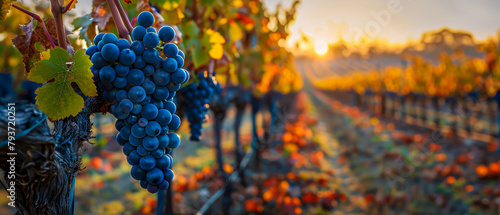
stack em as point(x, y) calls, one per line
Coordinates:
point(151, 29)
point(178, 76)
point(126, 105)
point(97, 60)
point(100, 45)
point(127, 57)
point(121, 70)
point(133, 158)
point(147, 162)
point(91, 50)
point(150, 143)
point(139, 62)
point(153, 129)
point(153, 188)
point(135, 77)
point(98, 38)
point(148, 86)
point(137, 173)
point(107, 74)
point(175, 140)
point(180, 61)
point(148, 70)
point(146, 100)
point(187, 76)
point(119, 124)
point(157, 154)
point(170, 106)
point(170, 50)
point(125, 132)
point(134, 140)
point(174, 123)
point(122, 44)
point(168, 175)
point(138, 33)
point(136, 109)
point(121, 95)
point(150, 55)
point(149, 111)
point(163, 141)
point(144, 184)
point(166, 34)
point(157, 103)
point(160, 77)
point(109, 38)
point(154, 176)
point(121, 114)
point(164, 117)
point(138, 47)
point(170, 64)
point(127, 148)
point(145, 19)
point(161, 93)
point(120, 140)
point(164, 129)
point(142, 151)
point(110, 52)
point(180, 53)
point(151, 40)
point(163, 185)
point(136, 94)
point(163, 163)
point(171, 160)
point(120, 82)
point(168, 150)
point(132, 119)
point(143, 122)
point(138, 131)
point(171, 94)
point(159, 63)
point(173, 86)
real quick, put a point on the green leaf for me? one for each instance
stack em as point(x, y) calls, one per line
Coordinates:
point(57, 98)
point(235, 32)
point(83, 23)
point(4, 8)
point(207, 3)
point(200, 56)
point(190, 33)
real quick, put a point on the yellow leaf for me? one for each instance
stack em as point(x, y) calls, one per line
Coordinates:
point(235, 32)
point(215, 37)
point(66, 2)
point(216, 51)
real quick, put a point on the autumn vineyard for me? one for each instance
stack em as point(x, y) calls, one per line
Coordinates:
point(143, 107)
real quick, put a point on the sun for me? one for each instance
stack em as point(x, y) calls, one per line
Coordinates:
point(321, 47)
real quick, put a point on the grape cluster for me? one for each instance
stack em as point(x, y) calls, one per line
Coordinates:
point(140, 85)
point(195, 99)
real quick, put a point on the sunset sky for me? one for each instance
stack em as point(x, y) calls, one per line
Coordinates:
point(326, 19)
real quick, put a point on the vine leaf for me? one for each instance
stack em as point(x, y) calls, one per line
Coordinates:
point(214, 40)
point(4, 8)
point(83, 23)
point(26, 43)
point(57, 98)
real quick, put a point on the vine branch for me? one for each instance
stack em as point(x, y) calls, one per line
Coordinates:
point(40, 21)
point(56, 10)
point(124, 16)
point(67, 7)
point(122, 31)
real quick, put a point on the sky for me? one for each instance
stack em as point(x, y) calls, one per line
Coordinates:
point(393, 20)
point(326, 20)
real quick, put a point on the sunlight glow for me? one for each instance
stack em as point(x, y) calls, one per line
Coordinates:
point(321, 47)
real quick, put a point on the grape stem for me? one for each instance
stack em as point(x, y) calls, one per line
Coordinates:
point(40, 21)
point(122, 31)
point(67, 6)
point(124, 16)
point(56, 9)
